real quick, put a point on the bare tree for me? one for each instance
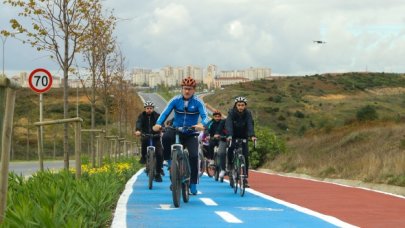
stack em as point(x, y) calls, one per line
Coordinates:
point(57, 27)
point(98, 41)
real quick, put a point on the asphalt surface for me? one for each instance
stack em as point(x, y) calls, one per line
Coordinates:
point(27, 168)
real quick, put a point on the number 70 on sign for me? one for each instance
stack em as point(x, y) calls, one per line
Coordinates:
point(40, 80)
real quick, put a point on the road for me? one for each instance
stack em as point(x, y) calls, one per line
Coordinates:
point(27, 168)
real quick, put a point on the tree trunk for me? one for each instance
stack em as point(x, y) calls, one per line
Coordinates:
point(65, 86)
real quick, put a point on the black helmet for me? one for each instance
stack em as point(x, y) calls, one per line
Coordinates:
point(148, 104)
point(241, 99)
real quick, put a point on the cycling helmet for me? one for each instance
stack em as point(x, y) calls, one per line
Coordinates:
point(216, 112)
point(241, 99)
point(189, 81)
point(148, 104)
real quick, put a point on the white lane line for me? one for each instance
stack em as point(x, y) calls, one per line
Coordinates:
point(208, 202)
point(120, 215)
point(228, 217)
point(166, 207)
point(329, 182)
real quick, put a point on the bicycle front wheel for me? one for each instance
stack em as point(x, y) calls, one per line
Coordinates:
point(151, 167)
point(242, 179)
point(176, 181)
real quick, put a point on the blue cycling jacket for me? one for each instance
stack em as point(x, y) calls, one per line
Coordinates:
point(185, 116)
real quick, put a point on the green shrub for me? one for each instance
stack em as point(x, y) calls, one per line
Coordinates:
point(367, 113)
point(299, 114)
point(267, 148)
point(59, 200)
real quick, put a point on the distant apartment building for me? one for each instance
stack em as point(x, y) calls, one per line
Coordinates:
point(172, 76)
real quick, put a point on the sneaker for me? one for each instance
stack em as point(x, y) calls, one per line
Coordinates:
point(158, 178)
point(142, 160)
point(222, 174)
point(193, 189)
point(211, 162)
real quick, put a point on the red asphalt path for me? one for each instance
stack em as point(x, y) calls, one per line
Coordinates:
point(356, 206)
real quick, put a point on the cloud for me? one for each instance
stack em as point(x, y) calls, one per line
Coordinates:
point(235, 34)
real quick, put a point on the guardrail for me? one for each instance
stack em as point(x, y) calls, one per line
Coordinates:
point(78, 125)
point(100, 146)
point(7, 101)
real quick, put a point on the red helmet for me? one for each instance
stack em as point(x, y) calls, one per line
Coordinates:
point(216, 112)
point(189, 81)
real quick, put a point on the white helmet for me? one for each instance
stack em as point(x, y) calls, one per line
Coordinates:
point(148, 104)
point(241, 99)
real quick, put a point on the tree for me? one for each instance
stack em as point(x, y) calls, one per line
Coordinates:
point(97, 41)
point(57, 27)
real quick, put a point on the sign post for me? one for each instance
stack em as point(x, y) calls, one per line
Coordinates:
point(40, 81)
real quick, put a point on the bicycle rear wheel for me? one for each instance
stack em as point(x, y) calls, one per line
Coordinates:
point(151, 167)
point(242, 178)
point(176, 181)
point(201, 164)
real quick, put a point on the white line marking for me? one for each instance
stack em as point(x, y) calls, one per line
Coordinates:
point(259, 209)
point(228, 217)
point(328, 182)
point(166, 207)
point(120, 214)
point(327, 218)
point(208, 202)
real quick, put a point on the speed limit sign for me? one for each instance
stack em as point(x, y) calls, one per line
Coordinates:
point(40, 80)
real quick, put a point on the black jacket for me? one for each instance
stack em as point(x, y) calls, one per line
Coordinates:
point(240, 125)
point(145, 122)
point(215, 127)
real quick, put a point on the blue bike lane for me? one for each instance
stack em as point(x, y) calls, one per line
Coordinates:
point(214, 205)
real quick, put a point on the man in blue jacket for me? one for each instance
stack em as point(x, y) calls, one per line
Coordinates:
point(187, 109)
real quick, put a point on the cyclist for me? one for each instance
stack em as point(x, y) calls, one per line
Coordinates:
point(239, 124)
point(216, 130)
point(203, 142)
point(187, 109)
point(144, 125)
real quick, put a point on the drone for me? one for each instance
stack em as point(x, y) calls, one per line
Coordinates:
point(319, 42)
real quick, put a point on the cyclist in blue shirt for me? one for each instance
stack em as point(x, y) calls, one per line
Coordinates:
point(187, 109)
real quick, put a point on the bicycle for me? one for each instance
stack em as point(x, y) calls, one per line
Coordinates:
point(179, 169)
point(238, 171)
point(213, 169)
point(150, 159)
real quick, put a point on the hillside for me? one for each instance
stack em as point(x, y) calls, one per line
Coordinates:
point(342, 126)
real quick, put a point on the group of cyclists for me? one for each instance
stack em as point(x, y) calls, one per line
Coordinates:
point(187, 109)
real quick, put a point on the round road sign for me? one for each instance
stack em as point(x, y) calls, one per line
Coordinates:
point(40, 80)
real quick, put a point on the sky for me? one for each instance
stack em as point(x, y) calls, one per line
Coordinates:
point(361, 35)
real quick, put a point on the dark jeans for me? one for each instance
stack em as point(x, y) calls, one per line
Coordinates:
point(188, 141)
point(245, 151)
point(158, 150)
